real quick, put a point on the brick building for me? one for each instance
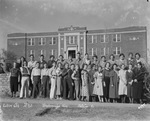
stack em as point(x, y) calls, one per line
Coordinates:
point(70, 40)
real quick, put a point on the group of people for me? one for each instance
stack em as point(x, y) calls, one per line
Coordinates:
point(82, 79)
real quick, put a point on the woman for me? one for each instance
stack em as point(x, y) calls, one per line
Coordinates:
point(85, 81)
point(95, 61)
point(59, 78)
point(121, 60)
point(114, 80)
point(130, 59)
point(24, 81)
point(129, 76)
point(122, 83)
point(102, 62)
point(14, 77)
point(91, 81)
point(112, 60)
point(45, 81)
point(98, 84)
point(35, 77)
point(138, 78)
point(53, 76)
point(76, 77)
point(106, 74)
point(86, 59)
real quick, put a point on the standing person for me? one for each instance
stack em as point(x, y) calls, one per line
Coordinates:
point(22, 59)
point(102, 62)
point(86, 59)
point(95, 61)
point(24, 81)
point(98, 84)
point(130, 59)
point(79, 60)
point(114, 81)
point(121, 60)
point(112, 60)
point(138, 78)
point(35, 77)
point(61, 60)
point(42, 61)
point(76, 77)
point(70, 60)
point(3, 64)
point(129, 76)
point(85, 81)
point(50, 62)
point(14, 77)
point(31, 65)
point(70, 82)
point(106, 83)
point(18, 67)
point(53, 76)
point(139, 59)
point(59, 80)
point(65, 78)
point(91, 82)
point(122, 83)
point(45, 81)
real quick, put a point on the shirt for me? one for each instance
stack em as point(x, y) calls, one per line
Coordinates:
point(44, 72)
point(14, 72)
point(52, 72)
point(31, 64)
point(42, 64)
point(79, 62)
point(24, 71)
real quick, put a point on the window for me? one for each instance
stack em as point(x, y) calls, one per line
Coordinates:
point(75, 39)
point(117, 50)
point(72, 39)
point(92, 51)
point(102, 39)
point(106, 38)
point(53, 52)
point(42, 41)
point(62, 51)
point(31, 42)
point(43, 52)
point(116, 37)
point(52, 40)
point(94, 38)
point(89, 38)
point(103, 51)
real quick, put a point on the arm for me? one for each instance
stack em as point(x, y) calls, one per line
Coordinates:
point(73, 74)
point(32, 74)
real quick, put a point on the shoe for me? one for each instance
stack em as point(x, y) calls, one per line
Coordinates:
point(21, 97)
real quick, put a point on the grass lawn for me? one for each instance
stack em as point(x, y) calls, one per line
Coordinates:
point(36, 112)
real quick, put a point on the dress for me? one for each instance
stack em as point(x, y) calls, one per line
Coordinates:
point(114, 80)
point(102, 64)
point(122, 82)
point(106, 74)
point(129, 76)
point(91, 79)
point(85, 80)
point(98, 87)
point(58, 83)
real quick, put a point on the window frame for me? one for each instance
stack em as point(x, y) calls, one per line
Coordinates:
point(32, 40)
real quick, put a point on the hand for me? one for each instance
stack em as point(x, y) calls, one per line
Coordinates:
point(104, 84)
point(135, 80)
point(72, 84)
point(112, 85)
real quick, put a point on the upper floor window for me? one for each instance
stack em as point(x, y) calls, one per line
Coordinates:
point(31, 42)
point(117, 50)
point(52, 40)
point(43, 52)
point(53, 52)
point(92, 39)
point(116, 37)
point(103, 51)
point(72, 39)
point(42, 41)
point(102, 38)
point(92, 51)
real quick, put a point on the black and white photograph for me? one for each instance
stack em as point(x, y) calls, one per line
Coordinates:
point(74, 60)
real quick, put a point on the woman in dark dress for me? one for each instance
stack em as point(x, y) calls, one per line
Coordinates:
point(138, 78)
point(106, 74)
point(114, 83)
point(129, 76)
point(14, 77)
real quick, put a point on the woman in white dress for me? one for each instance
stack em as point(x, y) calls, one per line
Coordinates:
point(122, 83)
point(98, 87)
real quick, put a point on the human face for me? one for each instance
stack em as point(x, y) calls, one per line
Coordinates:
point(130, 67)
point(95, 59)
point(121, 57)
point(123, 67)
point(52, 58)
point(85, 67)
point(59, 65)
point(31, 58)
point(45, 65)
point(112, 57)
point(41, 58)
point(94, 67)
point(72, 67)
point(103, 59)
point(114, 67)
point(137, 56)
point(139, 66)
point(77, 67)
point(54, 64)
point(66, 66)
point(99, 69)
point(25, 63)
point(60, 57)
point(130, 55)
point(86, 56)
point(78, 56)
point(14, 65)
point(37, 65)
point(107, 65)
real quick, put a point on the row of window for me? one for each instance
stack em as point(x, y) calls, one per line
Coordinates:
point(103, 38)
point(104, 51)
point(43, 52)
point(42, 41)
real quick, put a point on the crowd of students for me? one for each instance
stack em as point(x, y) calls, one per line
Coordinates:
point(82, 79)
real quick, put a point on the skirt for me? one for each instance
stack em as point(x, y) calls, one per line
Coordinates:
point(14, 84)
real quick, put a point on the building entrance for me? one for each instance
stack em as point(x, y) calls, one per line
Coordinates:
point(72, 53)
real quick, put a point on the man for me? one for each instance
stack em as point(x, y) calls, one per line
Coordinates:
point(42, 62)
point(50, 62)
point(61, 60)
point(79, 61)
point(70, 60)
point(31, 65)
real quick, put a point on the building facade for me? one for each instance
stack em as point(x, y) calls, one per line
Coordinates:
point(70, 40)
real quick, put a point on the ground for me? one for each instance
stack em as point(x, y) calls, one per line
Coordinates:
point(62, 110)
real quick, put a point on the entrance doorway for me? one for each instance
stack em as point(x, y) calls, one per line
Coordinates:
point(72, 53)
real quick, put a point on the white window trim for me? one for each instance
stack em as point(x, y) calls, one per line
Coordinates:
point(70, 39)
point(117, 38)
point(42, 41)
point(116, 49)
point(104, 38)
point(31, 40)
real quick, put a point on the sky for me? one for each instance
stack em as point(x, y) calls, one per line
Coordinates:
point(49, 15)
